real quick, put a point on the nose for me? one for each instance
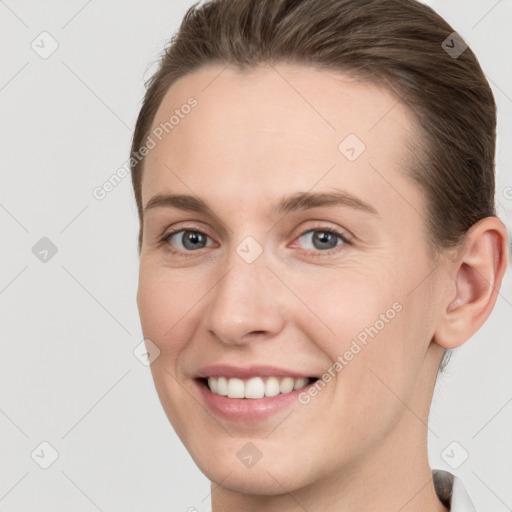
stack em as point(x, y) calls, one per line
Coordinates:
point(247, 302)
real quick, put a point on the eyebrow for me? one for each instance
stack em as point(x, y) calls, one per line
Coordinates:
point(295, 202)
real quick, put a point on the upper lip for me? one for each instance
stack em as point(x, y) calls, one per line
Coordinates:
point(223, 370)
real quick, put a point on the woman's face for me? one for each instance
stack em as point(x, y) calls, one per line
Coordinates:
point(342, 290)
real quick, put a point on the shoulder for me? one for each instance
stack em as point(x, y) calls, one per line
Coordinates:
point(451, 491)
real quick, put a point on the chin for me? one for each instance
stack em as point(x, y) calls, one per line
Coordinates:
point(272, 474)
point(269, 480)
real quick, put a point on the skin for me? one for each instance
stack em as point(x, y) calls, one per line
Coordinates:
point(254, 137)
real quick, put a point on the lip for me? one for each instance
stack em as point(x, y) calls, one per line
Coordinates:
point(224, 370)
point(247, 409)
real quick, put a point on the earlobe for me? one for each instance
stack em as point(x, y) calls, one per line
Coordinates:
point(476, 279)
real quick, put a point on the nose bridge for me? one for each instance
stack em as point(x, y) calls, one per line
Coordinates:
point(244, 300)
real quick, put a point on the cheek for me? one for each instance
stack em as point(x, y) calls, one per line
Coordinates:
point(368, 322)
point(348, 304)
point(163, 300)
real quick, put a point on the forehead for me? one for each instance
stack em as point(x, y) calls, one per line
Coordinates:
point(273, 126)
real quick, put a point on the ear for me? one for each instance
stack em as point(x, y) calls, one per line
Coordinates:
point(475, 280)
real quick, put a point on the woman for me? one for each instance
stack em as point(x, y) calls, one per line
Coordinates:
point(315, 186)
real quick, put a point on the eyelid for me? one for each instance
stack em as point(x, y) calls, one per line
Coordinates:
point(324, 226)
point(186, 225)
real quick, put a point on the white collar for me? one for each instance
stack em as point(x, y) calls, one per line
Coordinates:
point(451, 491)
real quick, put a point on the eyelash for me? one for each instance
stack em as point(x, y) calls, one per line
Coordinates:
point(309, 252)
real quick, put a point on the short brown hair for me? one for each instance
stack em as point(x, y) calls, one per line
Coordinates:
point(397, 44)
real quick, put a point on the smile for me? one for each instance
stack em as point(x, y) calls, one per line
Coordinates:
point(255, 387)
point(248, 401)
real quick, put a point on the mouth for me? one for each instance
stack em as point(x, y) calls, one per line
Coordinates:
point(246, 399)
point(251, 393)
point(254, 388)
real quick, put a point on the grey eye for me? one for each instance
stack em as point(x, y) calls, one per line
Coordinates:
point(190, 240)
point(321, 239)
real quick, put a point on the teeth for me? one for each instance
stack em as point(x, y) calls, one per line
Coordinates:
point(272, 387)
point(300, 383)
point(255, 387)
point(236, 388)
point(222, 386)
point(286, 385)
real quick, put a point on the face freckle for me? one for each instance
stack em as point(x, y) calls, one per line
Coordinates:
point(259, 293)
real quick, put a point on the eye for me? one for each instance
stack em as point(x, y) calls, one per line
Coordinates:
point(323, 239)
point(186, 240)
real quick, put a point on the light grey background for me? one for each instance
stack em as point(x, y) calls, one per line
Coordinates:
point(70, 325)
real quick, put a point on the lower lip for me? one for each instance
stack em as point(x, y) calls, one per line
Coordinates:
point(248, 409)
